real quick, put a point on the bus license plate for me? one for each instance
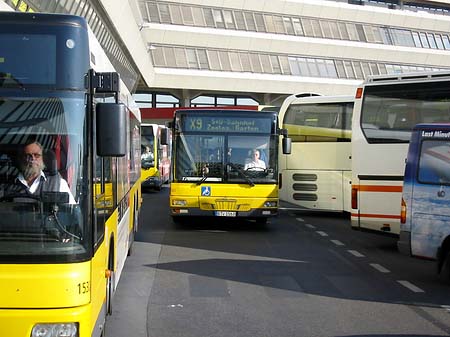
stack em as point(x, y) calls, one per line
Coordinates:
point(225, 213)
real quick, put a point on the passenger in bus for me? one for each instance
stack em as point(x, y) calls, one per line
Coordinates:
point(254, 162)
point(32, 179)
point(147, 154)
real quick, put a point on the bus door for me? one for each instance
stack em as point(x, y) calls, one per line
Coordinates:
point(430, 198)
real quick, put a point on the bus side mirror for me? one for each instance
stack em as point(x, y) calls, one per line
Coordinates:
point(111, 129)
point(164, 137)
point(286, 144)
point(286, 141)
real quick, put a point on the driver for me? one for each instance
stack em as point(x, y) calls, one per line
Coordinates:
point(32, 179)
point(254, 161)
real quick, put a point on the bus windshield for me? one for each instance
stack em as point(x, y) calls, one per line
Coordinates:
point(225, 158)
point(43, 137)
point(389, 112)
point(228, 150)
point(147, 147)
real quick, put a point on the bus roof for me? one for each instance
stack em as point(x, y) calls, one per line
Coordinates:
point(412, 77)
point(51, 19)
point(294, 99)
point(219, 110)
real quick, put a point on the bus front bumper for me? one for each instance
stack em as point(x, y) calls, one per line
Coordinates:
point(20, 322)
point(255, 213)
point(151, 182)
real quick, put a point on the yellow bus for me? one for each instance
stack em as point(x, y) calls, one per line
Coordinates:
point(213, 172)
point(62, 250)
point(155, 156)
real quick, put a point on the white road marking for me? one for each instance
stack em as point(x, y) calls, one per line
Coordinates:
point(446, 307)
point(310, 226)
point(175, 306)
point(300, 219)
point(355, 253)
point(337, 243)
point(380, 268)
point(211, 231)
point(321, 233)
point(411, 286)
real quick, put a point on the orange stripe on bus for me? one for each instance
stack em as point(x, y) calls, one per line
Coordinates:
point(379, 216)
point(378, 188)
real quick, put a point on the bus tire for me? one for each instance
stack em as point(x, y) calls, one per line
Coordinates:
point(110, 292)
point(177, 220)
point(110, 282)
point(444, 274)
point(133, 231)
point(261, 221)
point(130, 242)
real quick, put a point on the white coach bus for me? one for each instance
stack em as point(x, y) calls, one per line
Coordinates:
point(316, 176)
point(386, 110)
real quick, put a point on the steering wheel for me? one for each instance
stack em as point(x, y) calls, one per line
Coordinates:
point(256, 168)
point(10, 197)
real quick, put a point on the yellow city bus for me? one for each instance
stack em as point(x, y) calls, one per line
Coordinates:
point(62, 251)
point(212, 173)
point(155, 156)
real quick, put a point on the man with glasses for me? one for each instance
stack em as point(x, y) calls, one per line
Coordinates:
point(32, 179)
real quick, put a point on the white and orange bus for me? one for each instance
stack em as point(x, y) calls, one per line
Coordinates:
point(386, 110)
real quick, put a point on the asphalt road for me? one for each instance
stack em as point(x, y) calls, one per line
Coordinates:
point(299, 275)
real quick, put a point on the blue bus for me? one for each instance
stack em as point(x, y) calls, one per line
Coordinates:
point(425, 215)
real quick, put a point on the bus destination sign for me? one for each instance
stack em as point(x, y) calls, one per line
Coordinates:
point(226, 124)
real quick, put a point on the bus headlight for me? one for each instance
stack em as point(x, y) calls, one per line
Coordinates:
point(179, 203)
point(270, 204)
point(55, 330)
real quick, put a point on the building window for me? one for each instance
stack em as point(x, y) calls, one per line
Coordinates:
point(186, 14)
point(260, 25)
point(250, 21)
point(180, 57)
point(218, 19)
point(192, 59)
point(256, 65)
point(234, 61)
point(229, 20)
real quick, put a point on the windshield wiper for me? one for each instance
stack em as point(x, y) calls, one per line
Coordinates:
point(242, 173)
point(202, 180)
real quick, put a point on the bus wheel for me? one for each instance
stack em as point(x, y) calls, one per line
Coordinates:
point(177, 220)
point(109, 291)
point(261, 221)
point(444, 275)
point(133, 232)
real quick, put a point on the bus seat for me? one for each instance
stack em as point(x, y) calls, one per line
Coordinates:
point(50, 162)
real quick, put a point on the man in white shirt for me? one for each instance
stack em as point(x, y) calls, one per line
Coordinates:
point(255, 162)
point(32, 179)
